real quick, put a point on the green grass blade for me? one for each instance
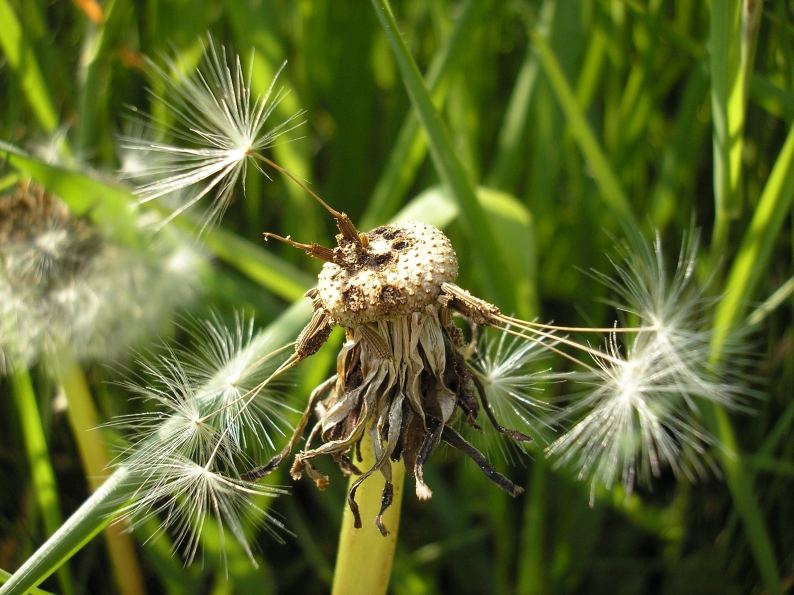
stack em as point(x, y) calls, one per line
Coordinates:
point(79, 529)
point(94, 73)
point(410, 148)
point(4, 576)
point(750, 261)
point(41, 471)
point(611, 190)
point(84, 421)
point(533, 573)
point(756, 246)
point(491, 259)
point(21, 58)
point(732, 37)
point(510, 145)
point(259, 264)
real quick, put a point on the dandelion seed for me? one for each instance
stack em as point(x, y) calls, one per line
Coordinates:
point(675, 310)
point(509, 369)
point(182, 494)
point(219, 128)
point(642, 413)
point(188, 448)
point(635, 423)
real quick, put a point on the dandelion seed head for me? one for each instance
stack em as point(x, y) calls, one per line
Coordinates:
point(642, 413)
point(183, 494)
point(67, 285)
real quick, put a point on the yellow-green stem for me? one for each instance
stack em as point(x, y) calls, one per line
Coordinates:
point(364, 558)
point(41, 472)
point(84, 420)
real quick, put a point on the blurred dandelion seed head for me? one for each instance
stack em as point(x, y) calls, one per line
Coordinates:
point(64, 284)
point(219, 126)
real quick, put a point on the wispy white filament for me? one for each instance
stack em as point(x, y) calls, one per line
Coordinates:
point(511, 370)
point(205, 408)
point(218, 127)
point(642, 411)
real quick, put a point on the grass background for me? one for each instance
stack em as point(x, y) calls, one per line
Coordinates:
point(570, 122)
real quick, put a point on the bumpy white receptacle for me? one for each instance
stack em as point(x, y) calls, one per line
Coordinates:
point(400, 270)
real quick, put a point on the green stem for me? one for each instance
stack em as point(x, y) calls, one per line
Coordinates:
point(364, 558)
point(41, 471)
point(79, 529)
point(475, 223)
point(84, 421)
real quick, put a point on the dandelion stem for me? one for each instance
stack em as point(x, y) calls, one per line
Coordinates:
point(83, 419)
point(364, 558)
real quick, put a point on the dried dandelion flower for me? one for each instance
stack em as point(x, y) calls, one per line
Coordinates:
point(405, 370)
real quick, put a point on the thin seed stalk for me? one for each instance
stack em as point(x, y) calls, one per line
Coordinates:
point(364, 557)
point(84, 420)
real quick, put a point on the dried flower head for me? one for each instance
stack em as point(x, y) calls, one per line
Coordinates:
point(219, 126)
point(405, 370)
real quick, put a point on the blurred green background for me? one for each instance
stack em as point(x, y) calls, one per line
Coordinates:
point(574, 120)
